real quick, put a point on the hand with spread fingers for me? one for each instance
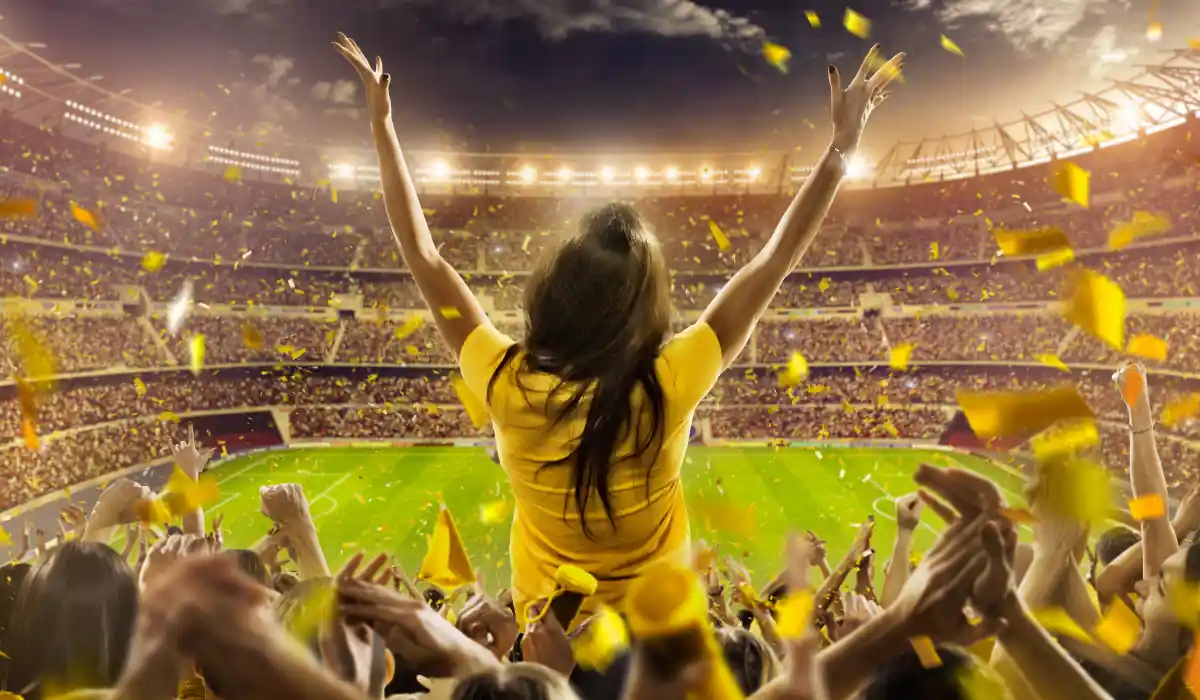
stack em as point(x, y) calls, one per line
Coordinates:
point(375, 81)
point(488, 623)
point(852, 106)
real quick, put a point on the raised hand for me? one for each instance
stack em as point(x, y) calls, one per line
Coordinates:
point(908, 511)
point(166, 552)
point(117, 505)
point(852, 106)
point(375, 81)
point(188, 455)
point(488, 623)
point(970, 494)
point(546, 643)
point(285, 504)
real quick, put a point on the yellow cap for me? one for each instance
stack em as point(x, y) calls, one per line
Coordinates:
point(667, 599)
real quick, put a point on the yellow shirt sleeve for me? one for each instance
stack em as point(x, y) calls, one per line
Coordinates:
point(481, 355)
point(692, 361)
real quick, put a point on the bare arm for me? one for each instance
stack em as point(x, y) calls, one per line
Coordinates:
point(455, 309)
point(737, 309)
point(1146, 476)
point(1040, 661)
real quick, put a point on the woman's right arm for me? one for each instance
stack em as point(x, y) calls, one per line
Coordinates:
point(735, 311)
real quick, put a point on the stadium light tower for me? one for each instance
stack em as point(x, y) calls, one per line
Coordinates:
point(440, 170)
point(157, 137)
point(344, 171)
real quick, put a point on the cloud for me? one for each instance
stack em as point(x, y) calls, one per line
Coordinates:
point(1027, 24)
point(559, 19)
point(265, 92)
point(339, 92)
point(277, 66)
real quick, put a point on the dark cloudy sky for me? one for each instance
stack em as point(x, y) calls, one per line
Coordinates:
point(593, 74)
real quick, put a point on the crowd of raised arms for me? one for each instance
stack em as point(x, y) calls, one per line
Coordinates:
point(1042, 599)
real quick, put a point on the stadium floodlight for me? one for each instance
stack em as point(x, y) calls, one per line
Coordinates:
point(857, 167)
point(528, 174)
point(753, 172)
point(1154, 32)
point(706, 173)
point(440, 170)
point(345, 171)
point(606, 173)
point(641, 173)
point(1129, 117)
point(564, 174)
point(671, 173)
point(157, 137)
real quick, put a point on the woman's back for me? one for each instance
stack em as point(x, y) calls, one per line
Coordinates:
point(645, 498)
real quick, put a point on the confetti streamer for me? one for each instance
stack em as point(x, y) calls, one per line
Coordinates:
point(196, 352)
point(778, 56)
point(183, 495)
point(153, 261)
point(476, 410)
point(1097, 305)
point(857, 24)
point(814, 20)
point(900, 356)
point(85, 217)
point(1020, 414)
point(1148, 507)
point(17, 208)
point(950, 46)
point(719, 235)
point(1072, 183)
point(1148, 346)
point(446, 564)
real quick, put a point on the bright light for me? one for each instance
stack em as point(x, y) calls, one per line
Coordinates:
point(1129, 118)
point(528, 174)
point(1117, 56)
point(157, 136)
point(706, 173)
point(753, 172)
point(564, 174)
point(1154, 32)
point(671, 173)
point(641, 173)
point(606, 173)
point(857, 167)
point(440, 170)
point(344, 171)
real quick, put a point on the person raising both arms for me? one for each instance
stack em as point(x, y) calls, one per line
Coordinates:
point(592, 410)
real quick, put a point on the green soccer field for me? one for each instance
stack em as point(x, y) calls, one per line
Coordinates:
point(386, 499)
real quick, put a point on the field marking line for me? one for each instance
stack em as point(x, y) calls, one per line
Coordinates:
point(238, 472)
point(319, 496)
point(224, 502)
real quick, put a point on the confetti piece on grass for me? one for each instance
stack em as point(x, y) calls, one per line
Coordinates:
point(718, 235)
point(900, 356)
point(446, 564)
point(856, 24)
point(814, 20)
point(1148, 346)
point(153, 261)
point(1180, 410)
point(950, 46)
point(1148, 507)
point(926, 653)
point(1097, 305)
point(1052, 361)
point(1120, 627)
point(1020, 413)
point(778, 56)
point(17, 208)
point(1072, 183)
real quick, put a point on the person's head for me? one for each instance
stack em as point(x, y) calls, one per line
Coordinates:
point(249, 563)
point(284, 581)
point(752, 662)
point(1153, 605)
point(73, 621)
point(514, 682)
point(904, 676)
point(596, 312)
point(1114, 542)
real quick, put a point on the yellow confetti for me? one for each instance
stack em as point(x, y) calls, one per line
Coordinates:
point(1057, 620)
point(1120, 627)
point(723, 514)
point(926, 653)
point(1097, 305)
point(599, 643)
point(1065, 440)
point(410, 326)
point(196, 352)
point(1051, 360)
point(495, 512)
point(29, 434)
point(85, 217)
point(1021, 413)
point(1179, 410)
point(450, 312)
point(796, 371)
point(935, 251)
point(152, 511)
point(1072, 183)
point(1142, 224)
point(1154, 31)
point(814, 20)
point(1047, 239)
point(251, 337)
point(168, 417)
point(1148, 507)
point(718, 235)
point(794, 614)
point(477, 411)
point(1019, 516)
point(1148, 346)
point(139, 386)
point(314, 612)
point(1131, 385)
point(1057, 258)
point(153, 261)
point(183, 495)
point(950, 46)
point(857, 24)
point(901, 354)
point(17, 208)
point(1076, 489)
point(778, 57)
point(233, 173)
point(446, 563)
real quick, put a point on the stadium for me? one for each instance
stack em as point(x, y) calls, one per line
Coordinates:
point(173, 278)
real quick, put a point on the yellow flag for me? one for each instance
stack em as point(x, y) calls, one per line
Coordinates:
point(1072, 182)
point(1097, 305)
point(1148, 346)
point(1051, 360)
point(856, 24)
point(1021, 413)
point(446, 564)
point(476, 410)
point(950, 46)
point(1179, 410)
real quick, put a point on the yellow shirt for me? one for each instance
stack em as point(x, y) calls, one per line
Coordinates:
point(651, 524)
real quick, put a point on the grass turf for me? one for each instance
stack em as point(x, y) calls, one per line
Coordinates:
point(745, 498)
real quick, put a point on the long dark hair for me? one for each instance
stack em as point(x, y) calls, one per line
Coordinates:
point(73, 621)
point(596, 313)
